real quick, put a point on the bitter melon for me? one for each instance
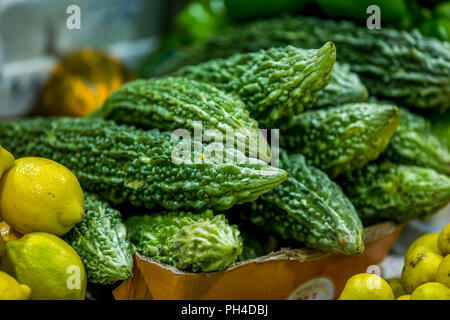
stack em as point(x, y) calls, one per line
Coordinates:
point(144, 168)
point(100, 240)
point(387, 191)
point(309, 208)
point(197, 242)
point(398, 65)
point(340, 139)
point(344, 87)
point(414, 143)
point(274, 84)
point(178, 103)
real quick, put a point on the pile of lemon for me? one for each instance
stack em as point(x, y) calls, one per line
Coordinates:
point(40, 201)
point(425, 274)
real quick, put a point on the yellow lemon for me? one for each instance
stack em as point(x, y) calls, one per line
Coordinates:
point(404, 297)
point(444, 240)
point(40, 195)
point(366, 286)
point(397, 287)
point(429, 241)
point(10, 289)
point(431, 291)
point(6, 160)
point(420, 267)
point(48, 265)
point(443, 271)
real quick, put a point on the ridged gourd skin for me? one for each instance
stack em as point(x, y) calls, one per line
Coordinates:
point(344, 87)
point(415, 144)
point(341, 139)
point(195, 242)
point(178, 103)
point(100, 240)
point(275, 84)
point(388, 191)
point(123, 164)
point(309, 208)
point(397, 65)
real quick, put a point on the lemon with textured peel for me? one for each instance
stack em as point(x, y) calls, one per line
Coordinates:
point(397, 287)
point(10, 289)
point(443, 271)
point(48, 265)
point(444, 240)
point(420, 267)
point(6, 160)
point(428, 241)
point(40, 195)
point(366, 286)
point(431, 291)
point(404, 297)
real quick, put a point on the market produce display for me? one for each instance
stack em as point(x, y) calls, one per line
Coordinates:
point(308, 208)
point(398, 65)
point(275, 84)
point(196, 242)
point(425, 274)
point(341, 139)
point(123, 164)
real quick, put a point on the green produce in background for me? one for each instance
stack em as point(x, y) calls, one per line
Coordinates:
point(100, 240)
point(414, 143)
point(440, 126)
point(392, 11)
point(388, 191)
point(256, 246)
point(274, 84)
point(246, 9)
point(344, 87)
point(308, 208)
point(439, 24)
point(341, 139)
point(196, 242)
point(397, 65)
point(173, 103)
point(123, 164)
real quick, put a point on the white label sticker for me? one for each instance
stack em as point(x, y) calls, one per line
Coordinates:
point(320, 288)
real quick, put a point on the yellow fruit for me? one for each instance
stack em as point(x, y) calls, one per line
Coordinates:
point(366, 286)
point(397, 287)
point(6, 161)
point(431, 291)
point(420, 267)
point(10, 289)
point(444, 240)
point(7, 233)
point(40, 195)
point(48, 265)
point(429, 241)
point(443, 271)
point(404, 297)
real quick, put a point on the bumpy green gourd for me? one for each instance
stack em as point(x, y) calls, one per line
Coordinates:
point(274, 84)
point(178, 103)
point(344, 87)
point(197, 242)
point(399, 65)
point(387, 191)
point(100, 240)
point(340, 139)
point(144, 168)
point(440, 126)
point(309, 208)
point(414, 143)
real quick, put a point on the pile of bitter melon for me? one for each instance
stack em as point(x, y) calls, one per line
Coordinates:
point(352, 151)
